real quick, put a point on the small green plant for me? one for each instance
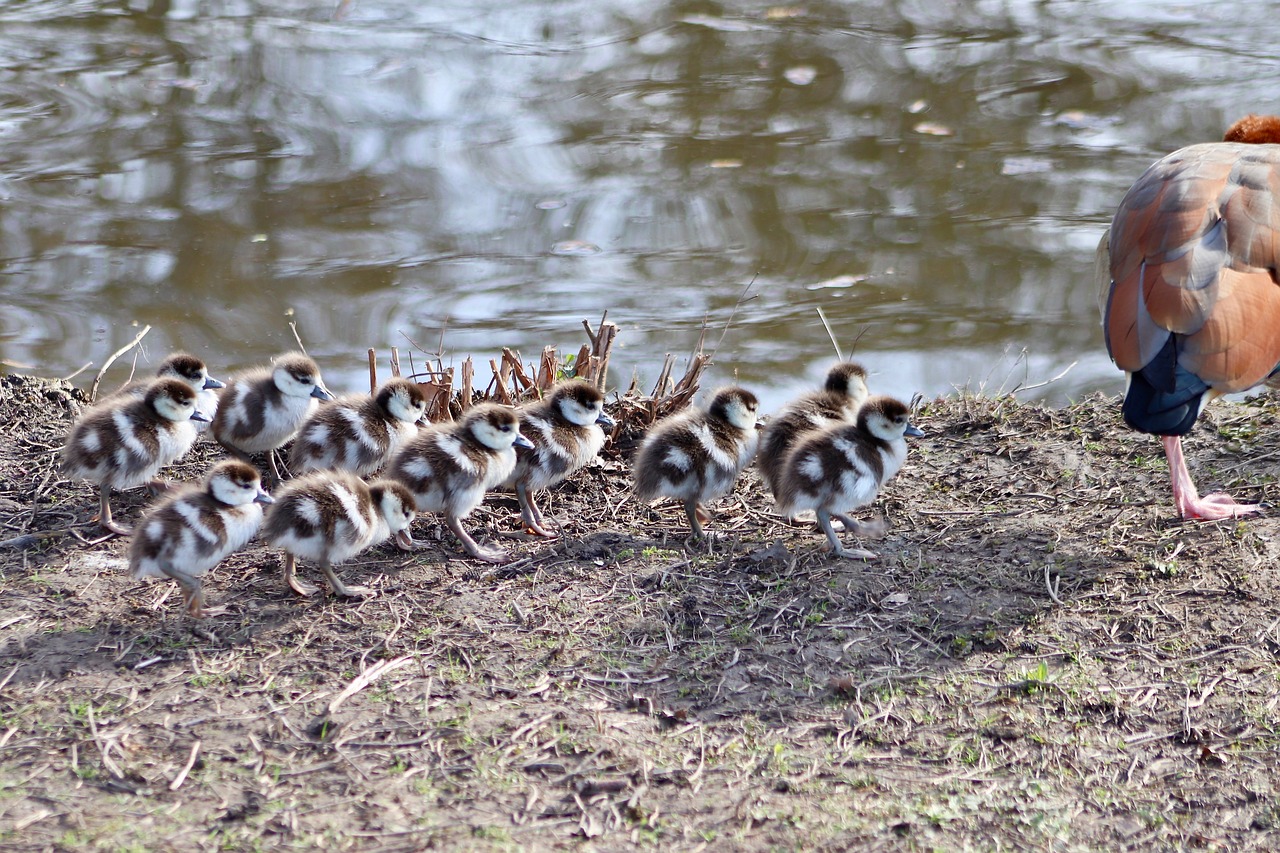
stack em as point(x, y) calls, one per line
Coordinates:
point(1033, 680)
point(567, 367)
point(491, 833)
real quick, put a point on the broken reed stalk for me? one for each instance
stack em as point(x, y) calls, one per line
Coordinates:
point(111, 359)
point(373, 370)
point(497, 387)
point(547, 369)
point(66, 378)
point(395, 362)
point(366, 678)
point(830, 334)
point(465, 393)
point(688, 385)
point(582, 364)
point(439, 391)
point(511, 363)
point(664, 378)
point(601, 348)
point(294, 328)
point(186, 768)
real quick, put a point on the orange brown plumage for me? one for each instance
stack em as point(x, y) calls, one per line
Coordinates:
point(1193, 306)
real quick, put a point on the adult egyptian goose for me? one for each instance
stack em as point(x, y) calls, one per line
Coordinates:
point(697, 454)
point(1193, 303)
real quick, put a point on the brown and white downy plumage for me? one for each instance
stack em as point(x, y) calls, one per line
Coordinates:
point(448, 468)
point(837, 402)
point(261, 409)
point(697, 455)
point(565, 431)
point(359, 433)
point(124, 441)
point(195, 528)
point(185, 368)
point(331, 516)
point(838, 469)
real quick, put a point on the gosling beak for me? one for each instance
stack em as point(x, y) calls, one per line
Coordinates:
point(264, 498)
point(912, 429)
point(606, 421)
point(321, 393)
point(210, 382)
point(521, 441)
point(198, 415)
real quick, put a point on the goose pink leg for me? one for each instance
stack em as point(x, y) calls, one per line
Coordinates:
point(1188, 501)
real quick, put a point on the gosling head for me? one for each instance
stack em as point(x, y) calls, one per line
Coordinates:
point(395, 503)
point(735, 406)
point(496, 427)
point(848, 379)
point(296, 375)
point(581, 403)
point(403, 400)
point(887, 419)
point(189, 369)
point(236, 484)
point(173, 400)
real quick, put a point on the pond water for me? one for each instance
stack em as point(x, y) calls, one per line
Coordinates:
point(933, 176)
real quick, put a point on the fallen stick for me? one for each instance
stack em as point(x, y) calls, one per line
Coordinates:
point(93, 389)
point(366, 678)
point(191, 762)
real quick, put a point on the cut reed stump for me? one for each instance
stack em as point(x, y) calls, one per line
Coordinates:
point(514, 382)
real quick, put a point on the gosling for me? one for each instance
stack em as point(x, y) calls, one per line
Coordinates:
point(330, 517)
point(565, 429)
point(263, 408)
point(124, 441)
point(448, 468)
point(359, 433)
point(836, 402)
point(836, 470)
point(697, 455)
point(194, 529)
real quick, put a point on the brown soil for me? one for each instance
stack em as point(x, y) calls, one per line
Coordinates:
point(1041, 658)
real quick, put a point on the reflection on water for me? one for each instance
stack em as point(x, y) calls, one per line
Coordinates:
point(934, 177)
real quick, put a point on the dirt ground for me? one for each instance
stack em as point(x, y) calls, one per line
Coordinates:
point(1042, 657)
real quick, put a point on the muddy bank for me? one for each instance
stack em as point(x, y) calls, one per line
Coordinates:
point(1041, 656)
